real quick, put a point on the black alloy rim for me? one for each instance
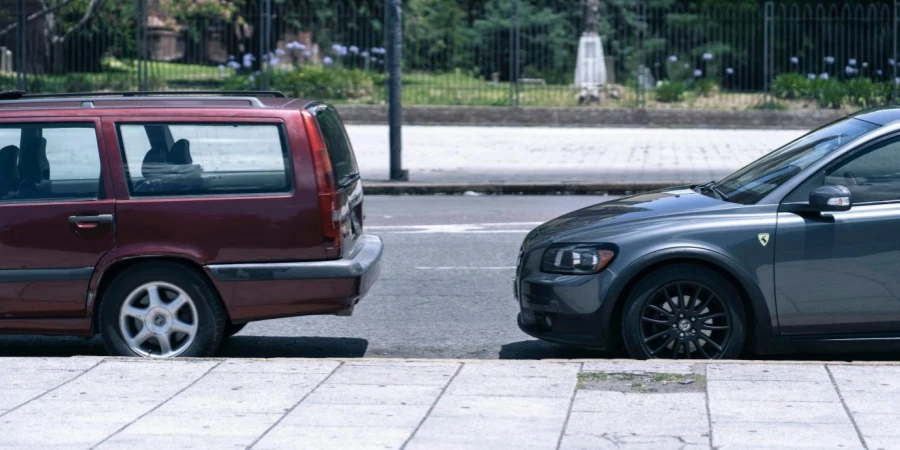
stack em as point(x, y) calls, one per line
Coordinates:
point(685, 320)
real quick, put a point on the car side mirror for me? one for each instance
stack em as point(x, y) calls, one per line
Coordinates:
point(830, 198)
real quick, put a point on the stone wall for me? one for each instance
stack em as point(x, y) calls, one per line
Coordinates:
point(592, 117)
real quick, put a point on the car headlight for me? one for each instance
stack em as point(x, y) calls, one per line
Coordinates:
point(577, 259)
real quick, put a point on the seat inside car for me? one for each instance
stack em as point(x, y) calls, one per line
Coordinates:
point(9, 179)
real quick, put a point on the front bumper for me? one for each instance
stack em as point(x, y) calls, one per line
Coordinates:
point(269, 290)
point(566, 309)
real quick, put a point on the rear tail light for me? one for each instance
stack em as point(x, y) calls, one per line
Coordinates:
point(329, 201)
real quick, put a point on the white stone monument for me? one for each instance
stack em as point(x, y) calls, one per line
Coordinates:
point(590, 71)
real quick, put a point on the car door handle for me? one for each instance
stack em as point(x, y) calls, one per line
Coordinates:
point(88, 222)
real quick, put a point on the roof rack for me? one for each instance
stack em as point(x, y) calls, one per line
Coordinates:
point(273, 94)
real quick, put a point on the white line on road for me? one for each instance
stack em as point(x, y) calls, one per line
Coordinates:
point(511, 227)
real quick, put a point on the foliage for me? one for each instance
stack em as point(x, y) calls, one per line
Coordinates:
point(862, 92)
point(829, 93)
point(670, 91)
point(312, 82)
point(706, 87)
point(770, 105)
point(791, 86)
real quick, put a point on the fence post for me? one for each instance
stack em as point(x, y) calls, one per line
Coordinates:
point(768, 49)
point(394, 29)
point(894, 51)
point(141, 29)
point(514, 54)
point(265, 31)
point(640, 93)
point(21, 71)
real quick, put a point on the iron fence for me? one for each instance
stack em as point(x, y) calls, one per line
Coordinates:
point(658, 54)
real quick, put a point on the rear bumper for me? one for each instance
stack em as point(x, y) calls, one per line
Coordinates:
point(270, 290)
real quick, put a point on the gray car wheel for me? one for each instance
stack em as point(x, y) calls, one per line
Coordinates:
point(161, 310)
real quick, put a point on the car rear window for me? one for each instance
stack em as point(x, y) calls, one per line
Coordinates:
point(204, 159)
point(340, 151)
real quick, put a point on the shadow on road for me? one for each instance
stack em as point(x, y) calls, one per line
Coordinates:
point(292, 347)
point(235, 347)
point(535, 349)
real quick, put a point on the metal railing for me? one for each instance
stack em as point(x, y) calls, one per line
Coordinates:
point(510, 53)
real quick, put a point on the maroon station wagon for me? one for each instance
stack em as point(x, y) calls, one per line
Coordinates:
point(166, 222)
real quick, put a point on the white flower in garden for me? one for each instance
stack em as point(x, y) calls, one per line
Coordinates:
point(890, 61)
point(829, 60)
point(707, 56)
point(306, 53)
point(315, 51)
point(291, 45)
point(364, 54)
point(865, 64)
point(729, 71)
point(354, 49)
point(251, 78)
point(852, 61)
point(221, 67)
point(374, 59)
point(824, 76)
point(231, 57)
point(234, 64)
point(279, 52)
point(673, 58)
point(274, 61)
point(698, 73)
point(850, 70)
point(897, 80)
point(379, 50)
point(248, 60)
point(878, 72)
point(327, 60)
point(795, 60)
point(285, 68)
point(812, 76)
point(687, 66)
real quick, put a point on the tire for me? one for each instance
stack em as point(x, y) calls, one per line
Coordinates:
point(658, 325)
point(232, 329)
point(186, 312)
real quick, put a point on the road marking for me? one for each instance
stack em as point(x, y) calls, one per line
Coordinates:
point(468, 268)
point(484, 228)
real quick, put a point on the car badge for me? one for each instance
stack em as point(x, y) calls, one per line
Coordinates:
point(763, 238)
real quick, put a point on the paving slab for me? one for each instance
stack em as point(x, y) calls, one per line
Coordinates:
point(394, 374)
point(722, 410)
point(305, 366)
point(786, 391)
point(795, 435)
point(767, 372)
point(334, 437)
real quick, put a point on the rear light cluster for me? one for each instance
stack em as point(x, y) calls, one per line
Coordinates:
point(329, 200)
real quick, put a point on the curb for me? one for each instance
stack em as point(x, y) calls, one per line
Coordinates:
point(576, 188)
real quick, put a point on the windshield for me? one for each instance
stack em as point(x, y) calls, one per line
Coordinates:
point(753, 182)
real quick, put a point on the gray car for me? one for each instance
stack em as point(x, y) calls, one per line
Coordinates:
point(798, 251)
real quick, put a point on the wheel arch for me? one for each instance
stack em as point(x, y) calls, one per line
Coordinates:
point(759, 321)
point(111, 269)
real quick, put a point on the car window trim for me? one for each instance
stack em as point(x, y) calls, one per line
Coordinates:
point(278, 122)
point(61, 122)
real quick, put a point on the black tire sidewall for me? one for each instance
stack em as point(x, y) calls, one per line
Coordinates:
point(210, 312)
point(631, 317)
point(233, 329)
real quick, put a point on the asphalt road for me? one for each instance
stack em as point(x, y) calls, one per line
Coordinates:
point(445, 289)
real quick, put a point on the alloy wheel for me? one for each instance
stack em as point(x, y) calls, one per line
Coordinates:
point(685, 319)
point(158, 319)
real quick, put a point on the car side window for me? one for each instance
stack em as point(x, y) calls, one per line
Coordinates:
point(872, 175)
point(42, 162)
point(204, 159)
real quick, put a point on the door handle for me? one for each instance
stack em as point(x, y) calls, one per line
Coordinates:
point(90, 222)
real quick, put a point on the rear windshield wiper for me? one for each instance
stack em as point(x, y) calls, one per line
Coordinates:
point(348, 180)
point(711, 186)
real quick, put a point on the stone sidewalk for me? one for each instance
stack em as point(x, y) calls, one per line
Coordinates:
point(110, 403)
point(553, 155)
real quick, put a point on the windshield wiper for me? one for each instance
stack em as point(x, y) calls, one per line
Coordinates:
point(348, 179)
point(711, 186)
